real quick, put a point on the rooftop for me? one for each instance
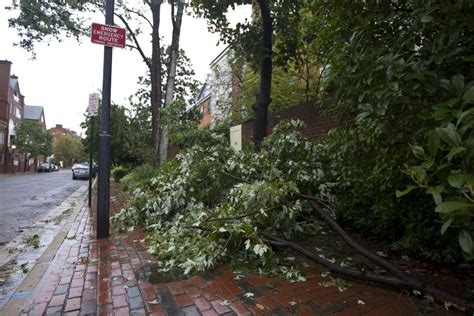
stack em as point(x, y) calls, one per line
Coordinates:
point(33, 112)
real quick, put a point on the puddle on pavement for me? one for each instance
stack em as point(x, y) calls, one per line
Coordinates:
point(151, 273)
point(11, 274)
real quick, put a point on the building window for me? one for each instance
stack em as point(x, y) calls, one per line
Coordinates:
point(2, 138)
point(17, 113)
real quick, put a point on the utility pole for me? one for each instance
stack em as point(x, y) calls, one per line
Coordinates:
point(103, 189)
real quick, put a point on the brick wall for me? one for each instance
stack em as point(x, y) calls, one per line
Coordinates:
point(317, 123)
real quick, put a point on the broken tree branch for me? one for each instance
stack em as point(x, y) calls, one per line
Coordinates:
point(404, 276)
point(332, 267)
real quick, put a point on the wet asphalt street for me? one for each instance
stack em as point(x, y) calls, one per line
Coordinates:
point(24, 199)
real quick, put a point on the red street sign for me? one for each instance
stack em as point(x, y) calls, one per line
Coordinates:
point(108, 35)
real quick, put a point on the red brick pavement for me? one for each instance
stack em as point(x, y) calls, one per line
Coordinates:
point(105, 277)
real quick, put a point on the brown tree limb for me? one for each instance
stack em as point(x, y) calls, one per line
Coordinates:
point(332, 267)
point(230, 175)
point(321, 201)
point(135, 40)
point(404, 276)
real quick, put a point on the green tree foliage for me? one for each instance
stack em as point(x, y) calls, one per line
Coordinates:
point(32, 138)
point(254, 40)
point(41, 20)
point(288, 89)
point(121, 150)
point(401, 74)
point(404, 72)
point(69, 149)
point(185, 84)
point(215, 204)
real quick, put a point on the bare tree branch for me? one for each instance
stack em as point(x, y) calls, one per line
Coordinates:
point(140, 14)
point(135, 40)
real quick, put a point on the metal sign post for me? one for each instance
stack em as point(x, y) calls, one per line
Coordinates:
point(103, 189)
point(93, 106)
point(111, 36)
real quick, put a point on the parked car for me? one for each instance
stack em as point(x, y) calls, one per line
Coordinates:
point(81, 171)
point(76, 165)
point(45, 167)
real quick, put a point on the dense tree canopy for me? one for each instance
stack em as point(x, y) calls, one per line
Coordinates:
point(120, 132)
point(404, 72)
point(41, 20)
point(68, 149)
point(32, 138)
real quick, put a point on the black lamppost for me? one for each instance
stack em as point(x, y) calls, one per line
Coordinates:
point(103, 185)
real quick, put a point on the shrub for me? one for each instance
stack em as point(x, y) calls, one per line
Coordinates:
point(119, 172)
point(139, 177)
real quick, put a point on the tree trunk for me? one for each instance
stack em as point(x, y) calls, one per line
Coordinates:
point(170, 80)
point(155, 72)
point(263, 96)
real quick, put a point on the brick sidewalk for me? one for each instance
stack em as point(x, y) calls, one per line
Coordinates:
point(108, 277)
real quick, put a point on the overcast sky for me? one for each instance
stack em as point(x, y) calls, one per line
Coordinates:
point(64, 73)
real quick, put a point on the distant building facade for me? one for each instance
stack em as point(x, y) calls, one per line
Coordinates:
point(35, 113)
point(12, 104)
point(59, 131)
point(220, 91)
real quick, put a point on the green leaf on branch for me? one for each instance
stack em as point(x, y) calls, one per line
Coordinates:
point(456, 180)
point(426, 18)
point(433, 142)
point(449, 135)
point(465, 241)
point(436, 193)
point(446, 226)
point(458, 83)
point(468, 95)
point(451, 206)
point(455, 151)
point(407, 190)
point(418, 151)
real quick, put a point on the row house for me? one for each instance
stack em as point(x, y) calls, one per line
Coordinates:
point(12, 105)
point(12, 111)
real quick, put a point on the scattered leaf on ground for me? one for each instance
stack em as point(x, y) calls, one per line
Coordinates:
point(260, 307)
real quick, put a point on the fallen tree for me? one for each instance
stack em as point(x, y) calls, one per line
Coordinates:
point(212, 204)
point(401, 280)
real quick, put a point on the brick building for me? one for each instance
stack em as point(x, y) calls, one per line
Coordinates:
point(12, 104)
point(59, 131)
